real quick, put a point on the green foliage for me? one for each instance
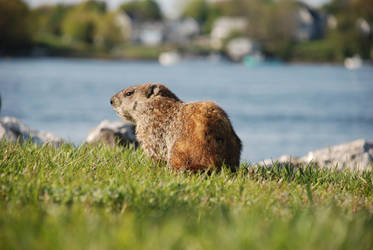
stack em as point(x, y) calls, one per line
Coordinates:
point(142, 10)
point(110, 33)
point(89, 26)
point(357, 8)
point(317, 51)
point(114, 198)
point(197, 9)
point(136, 52)
point(94, 6)
point(14, 25)
point(278, 28)
point(203, 12)
point(77, 22)
point(48, 19)
point(347, 36)
point(271, 23)
point(80, 26)
point(238, 7)
point(81, 23)
point(214, 13)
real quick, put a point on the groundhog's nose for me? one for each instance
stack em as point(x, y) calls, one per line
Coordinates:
point(112, 100)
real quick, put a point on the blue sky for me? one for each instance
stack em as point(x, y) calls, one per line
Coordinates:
point(170, 7)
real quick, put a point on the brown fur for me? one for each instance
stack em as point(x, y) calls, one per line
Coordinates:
point(192, 136)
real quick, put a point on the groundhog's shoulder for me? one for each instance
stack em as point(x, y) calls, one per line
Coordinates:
point(206, 112)
point(205, 119)
point(202, 108)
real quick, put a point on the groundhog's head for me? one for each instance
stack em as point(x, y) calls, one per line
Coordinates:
point(132, 101)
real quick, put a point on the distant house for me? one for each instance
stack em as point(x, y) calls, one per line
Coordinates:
point(364, 27)
point(332, 22)
point(155, 33)
point(225, 26)
point(240, 47)
point(310, 24)
point(148, 33)
point(182, 31)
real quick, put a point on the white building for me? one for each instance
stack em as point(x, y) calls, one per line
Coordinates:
point(225, 26)
point(182, 31)
point(148, 33)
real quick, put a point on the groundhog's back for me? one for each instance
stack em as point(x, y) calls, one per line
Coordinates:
point(207, 139)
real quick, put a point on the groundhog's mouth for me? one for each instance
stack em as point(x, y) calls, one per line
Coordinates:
point(125, 115)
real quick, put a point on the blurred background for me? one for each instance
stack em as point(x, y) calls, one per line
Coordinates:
point(294, 76)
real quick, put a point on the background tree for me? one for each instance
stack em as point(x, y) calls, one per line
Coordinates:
point(143, 10)
point(14, 25)
point(95, 6)
point(236, 7)
point(276, 28)
point(347, 37)
point(80, 26)
point(271, 23)
point(197, 9)
point(112, 30)
point(49, 19)
point(203, 12)
point(81, 22)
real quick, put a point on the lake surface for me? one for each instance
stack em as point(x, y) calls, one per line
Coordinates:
point(275, 109)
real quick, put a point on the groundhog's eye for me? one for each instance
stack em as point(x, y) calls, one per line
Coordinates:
point(130, 93)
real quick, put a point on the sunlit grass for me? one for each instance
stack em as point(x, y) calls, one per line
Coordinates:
point(114, 198)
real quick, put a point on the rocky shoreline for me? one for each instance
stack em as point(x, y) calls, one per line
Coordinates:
point(11, 129)
point(355, 155)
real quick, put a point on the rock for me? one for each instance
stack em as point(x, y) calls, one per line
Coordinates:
point(355, 155)
point(281, 160)
point(109, 132)
point(12, 129)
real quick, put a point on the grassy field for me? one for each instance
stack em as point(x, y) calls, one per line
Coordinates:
point(116, 198)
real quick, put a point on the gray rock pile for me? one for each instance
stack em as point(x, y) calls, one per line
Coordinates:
point(121, 132)
point(12, 129)
point(355, 155)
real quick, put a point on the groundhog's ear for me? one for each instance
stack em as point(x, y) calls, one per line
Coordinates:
point(155, 90)
point(152, 90)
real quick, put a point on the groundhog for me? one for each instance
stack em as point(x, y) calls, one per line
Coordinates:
point(187, 136)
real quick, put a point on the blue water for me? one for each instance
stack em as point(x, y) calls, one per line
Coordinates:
point(275, 109)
